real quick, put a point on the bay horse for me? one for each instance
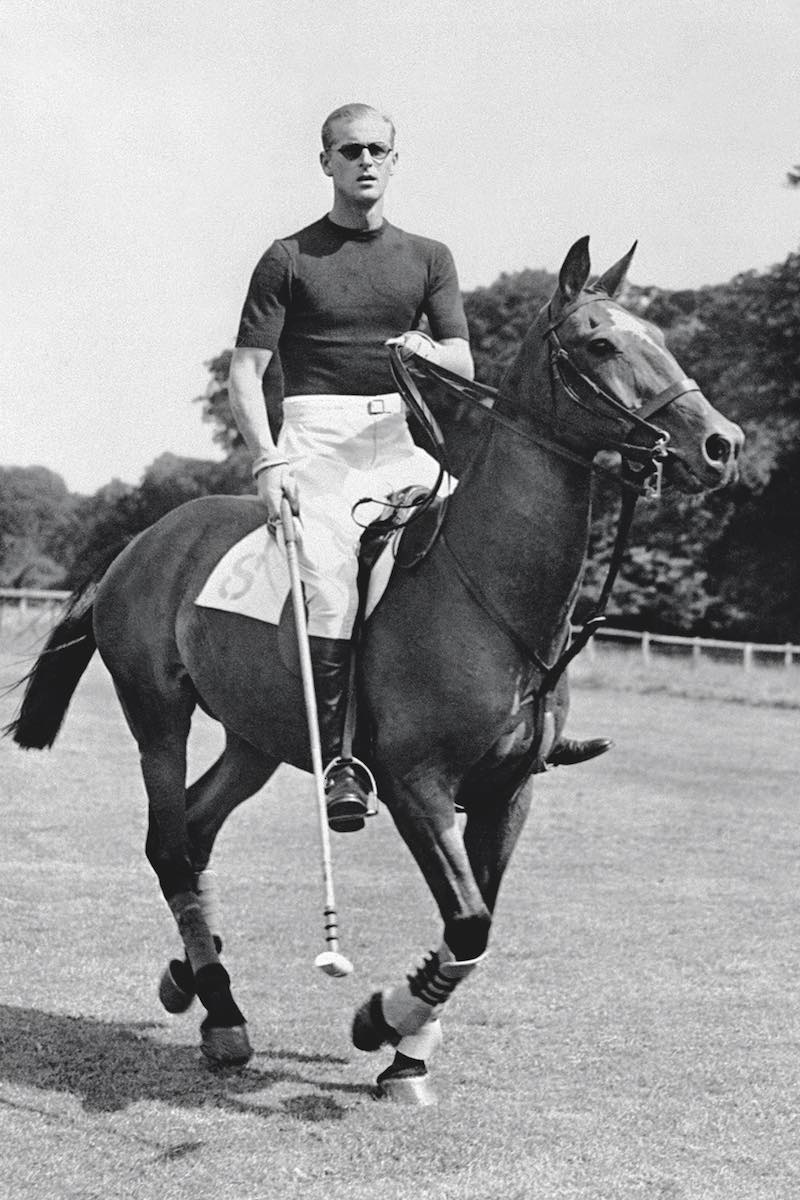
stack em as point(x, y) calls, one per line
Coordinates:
point(459, 700)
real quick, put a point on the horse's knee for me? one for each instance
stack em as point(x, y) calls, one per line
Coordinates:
point(468, 937)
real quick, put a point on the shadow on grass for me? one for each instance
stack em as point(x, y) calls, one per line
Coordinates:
point(109, 1065)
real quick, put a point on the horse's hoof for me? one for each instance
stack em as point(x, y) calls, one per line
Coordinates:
point(406, 1089)
point(370, 1030)
point(226, 1047)
point(176, 987)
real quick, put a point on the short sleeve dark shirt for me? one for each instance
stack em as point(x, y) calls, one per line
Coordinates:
point(327, 298)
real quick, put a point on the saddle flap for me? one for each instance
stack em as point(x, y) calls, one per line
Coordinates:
point(419, 535)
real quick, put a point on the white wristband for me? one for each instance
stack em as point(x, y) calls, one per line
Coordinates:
point(265, 461)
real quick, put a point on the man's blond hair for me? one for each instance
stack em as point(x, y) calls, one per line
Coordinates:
point(351, 112)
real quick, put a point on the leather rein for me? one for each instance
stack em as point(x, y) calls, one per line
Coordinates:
point(640, 475)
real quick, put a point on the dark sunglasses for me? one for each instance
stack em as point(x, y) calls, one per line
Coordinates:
point(378, 151)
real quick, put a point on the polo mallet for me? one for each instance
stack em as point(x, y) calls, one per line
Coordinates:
point(330, 960)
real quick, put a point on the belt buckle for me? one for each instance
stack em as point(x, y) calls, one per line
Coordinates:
point(376, 406)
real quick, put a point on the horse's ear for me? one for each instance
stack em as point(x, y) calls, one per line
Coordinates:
point(613, 279)
point(575, 270)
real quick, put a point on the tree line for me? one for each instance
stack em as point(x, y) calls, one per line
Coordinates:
point(721, 565)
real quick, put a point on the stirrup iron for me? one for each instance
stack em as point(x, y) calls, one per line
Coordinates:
point(349, 814)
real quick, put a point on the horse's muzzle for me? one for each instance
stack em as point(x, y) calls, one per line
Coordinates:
point(721, 451)
point(704, 445)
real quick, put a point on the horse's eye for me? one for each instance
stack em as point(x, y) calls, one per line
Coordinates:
point(601, 347)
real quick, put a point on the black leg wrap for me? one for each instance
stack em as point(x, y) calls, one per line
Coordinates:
point(214, 991)
point(403, 1067)
point(406, 1081)
point(183, 975)
point(468, 937)
point(370, 1028)
point(176, 987)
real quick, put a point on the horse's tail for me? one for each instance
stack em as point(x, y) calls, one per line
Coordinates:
point(55, 674)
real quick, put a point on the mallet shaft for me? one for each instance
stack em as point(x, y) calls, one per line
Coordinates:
point(309, 695)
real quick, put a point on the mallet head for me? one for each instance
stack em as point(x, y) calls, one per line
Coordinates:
point(334, 964)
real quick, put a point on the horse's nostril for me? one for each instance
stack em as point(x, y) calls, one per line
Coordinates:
point(718, 448)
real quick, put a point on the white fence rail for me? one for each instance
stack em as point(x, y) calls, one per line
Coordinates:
point(24, 598)
point(23, 606)
point(30, 608)
point(747, 653)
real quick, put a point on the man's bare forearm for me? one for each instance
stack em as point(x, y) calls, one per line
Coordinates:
point(247, 400)
point(454, 354)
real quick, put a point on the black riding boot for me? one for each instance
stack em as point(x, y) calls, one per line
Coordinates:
point(569, 751)
point(348, 784)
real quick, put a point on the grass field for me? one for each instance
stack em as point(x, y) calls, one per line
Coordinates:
point(672, 672)
point(633, 1033)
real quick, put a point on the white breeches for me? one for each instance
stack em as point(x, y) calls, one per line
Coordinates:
point(342, 449)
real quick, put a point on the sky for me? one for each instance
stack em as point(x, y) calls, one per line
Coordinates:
point(154, 148)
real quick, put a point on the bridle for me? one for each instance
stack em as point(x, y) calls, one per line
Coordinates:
point(637, 456)
point(642, 463)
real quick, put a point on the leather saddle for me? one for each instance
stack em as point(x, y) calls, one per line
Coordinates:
point(401, 519)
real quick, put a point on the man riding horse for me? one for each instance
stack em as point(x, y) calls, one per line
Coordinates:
point(327, 301)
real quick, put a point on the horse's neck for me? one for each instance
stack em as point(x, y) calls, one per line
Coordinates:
point(520, 523)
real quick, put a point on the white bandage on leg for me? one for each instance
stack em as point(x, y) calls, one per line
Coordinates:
point(197, 941)
point(412, 1004)
point(424, 1044)
point(208, 895)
